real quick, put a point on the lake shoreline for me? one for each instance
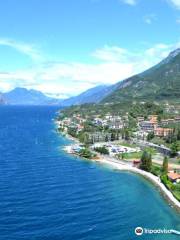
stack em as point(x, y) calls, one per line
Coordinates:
point(121, 166)
point(149, 176)
point(125, 167)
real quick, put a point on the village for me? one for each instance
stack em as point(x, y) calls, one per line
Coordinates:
point(111, 135)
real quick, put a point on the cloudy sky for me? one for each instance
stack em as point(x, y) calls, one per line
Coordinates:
point(63, 47)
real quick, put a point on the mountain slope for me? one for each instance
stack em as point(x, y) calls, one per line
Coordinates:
point(22, 96)
point(161, 82)
point(93, 95)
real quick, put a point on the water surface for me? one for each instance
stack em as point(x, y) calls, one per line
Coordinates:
point(47, 194)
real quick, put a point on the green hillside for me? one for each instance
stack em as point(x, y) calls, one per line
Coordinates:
point(162, 82)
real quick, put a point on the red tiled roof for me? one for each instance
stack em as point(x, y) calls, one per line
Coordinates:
point(174, 176)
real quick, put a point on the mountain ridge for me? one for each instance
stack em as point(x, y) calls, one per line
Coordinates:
point(23, 96)
point(92, 95)
point(160, 82)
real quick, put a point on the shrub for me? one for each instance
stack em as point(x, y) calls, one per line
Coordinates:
point(102, 150)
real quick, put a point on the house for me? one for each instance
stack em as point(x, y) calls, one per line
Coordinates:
point(116, 124)
point(140, 119)
point(99, 137)
point(80, 127)
point(163, 132)
point(167, 121)
point(174, 177)
point(177, 119)
point(146, 126)
point(153, 119)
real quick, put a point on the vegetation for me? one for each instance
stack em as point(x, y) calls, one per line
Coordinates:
point(135, 155)
point(102, 150)
point(153, 84)
point(146, 161)
point(165, 165)
point(174, 188)
point(150, 136)
point(86, 153)
point(174, 149)
point(156, 170)
point(135, 109)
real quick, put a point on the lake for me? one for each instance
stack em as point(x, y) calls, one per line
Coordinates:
point(47, 194)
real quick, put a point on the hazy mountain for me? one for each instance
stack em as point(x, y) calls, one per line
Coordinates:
point(23, 96)
point(92, 95)
point(157, 83)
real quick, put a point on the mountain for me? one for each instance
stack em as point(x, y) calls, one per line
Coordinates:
point(92, 95)
point(23, 96)
point(161, 82)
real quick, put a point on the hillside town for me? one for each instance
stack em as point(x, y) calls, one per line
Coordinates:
point(127, 139)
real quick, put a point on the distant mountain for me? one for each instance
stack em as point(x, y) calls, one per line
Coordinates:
point(23, 96)
point(161, 82)
point(92, 95)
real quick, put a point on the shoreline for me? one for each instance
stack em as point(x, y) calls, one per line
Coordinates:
point(121, 166)
point(125, 167)
point(149, 176)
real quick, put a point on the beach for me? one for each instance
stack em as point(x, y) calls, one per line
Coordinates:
point(154, 179)
point(122, 166)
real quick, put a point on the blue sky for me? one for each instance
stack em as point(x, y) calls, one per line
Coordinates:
point(63, 47)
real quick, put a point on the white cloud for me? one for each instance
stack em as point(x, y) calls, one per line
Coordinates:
point(67, 78)
point(27, 49)
point(110, 53)
point(178, 20)
point(150, 18)
point(175, 3)
point(112, 64)
point(130, 2)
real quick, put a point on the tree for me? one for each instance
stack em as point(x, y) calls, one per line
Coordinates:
point(146, 161)
point(86, 153)
point(113, 136)
point(83, 138)
point(102, 150)
point(159, 118)
point(150, 136)
point(106, 138)
point(174, 149)
point(178, 134)
point(126, 134)
point(165, 165)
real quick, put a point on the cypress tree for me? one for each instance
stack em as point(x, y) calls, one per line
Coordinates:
point(165, 165)
point(146, 161)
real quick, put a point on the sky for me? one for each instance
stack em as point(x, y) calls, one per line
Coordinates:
point(64, 47)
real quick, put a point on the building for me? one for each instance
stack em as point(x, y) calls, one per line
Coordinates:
point(140, 119)
point(163, 132)
point(99, 137)
point(174, 177)
point(167, 121)
point(147, 126)
point(116, 124)
point(177, 119)
point(153, 119)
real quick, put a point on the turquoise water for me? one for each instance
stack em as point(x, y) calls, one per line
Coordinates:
point(47, 194)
